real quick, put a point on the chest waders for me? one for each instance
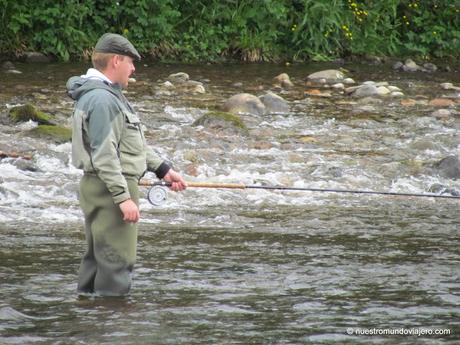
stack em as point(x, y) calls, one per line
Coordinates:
point(108, 262)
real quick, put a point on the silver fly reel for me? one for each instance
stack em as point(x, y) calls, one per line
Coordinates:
point(156, 195)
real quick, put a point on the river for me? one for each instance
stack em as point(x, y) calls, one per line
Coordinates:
point(244, 266)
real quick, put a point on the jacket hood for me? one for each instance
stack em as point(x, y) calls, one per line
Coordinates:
point(79, 85)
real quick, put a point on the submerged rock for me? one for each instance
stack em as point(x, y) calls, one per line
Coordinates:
point(441, 102)
point(438, 188)
point(24, 113)
point(222, 121)
point(329, 76)
point(177, 78)
point(449, 86)
point(449, 167)
point(244, 103)
point(274, 103)
point(366, 91)
point(58, 134)
point(35, 57)
point(283, 81)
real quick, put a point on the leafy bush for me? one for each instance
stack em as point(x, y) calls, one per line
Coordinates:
point(249, 30)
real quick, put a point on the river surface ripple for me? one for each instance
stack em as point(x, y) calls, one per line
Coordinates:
point(245, 266)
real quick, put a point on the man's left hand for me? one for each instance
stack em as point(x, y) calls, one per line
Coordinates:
point(176, 180)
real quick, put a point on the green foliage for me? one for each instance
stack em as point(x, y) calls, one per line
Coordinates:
point(249, 30)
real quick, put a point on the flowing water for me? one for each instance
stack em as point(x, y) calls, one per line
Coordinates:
point(244, 266)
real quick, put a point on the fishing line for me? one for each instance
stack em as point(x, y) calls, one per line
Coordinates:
point(157, 194)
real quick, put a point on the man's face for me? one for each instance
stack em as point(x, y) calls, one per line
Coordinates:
point(124, 68)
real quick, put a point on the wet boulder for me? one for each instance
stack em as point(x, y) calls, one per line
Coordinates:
point(192, 86)
point(36, 57)
point(244, 103)
point(366, 91)
point(181, 82)
point(28, 112)
point(410, 66)
point(441, 189)
point(274, 104)
point(449, 86)
point(283, 81)
point(178, 78)
point(9, 68)
point(58, 134)
point(449, 167)
point(327, 76)
point(222, 121)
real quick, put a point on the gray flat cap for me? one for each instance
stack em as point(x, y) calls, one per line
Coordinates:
point(116, 44)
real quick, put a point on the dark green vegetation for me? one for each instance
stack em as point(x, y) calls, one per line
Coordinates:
point(248, 30)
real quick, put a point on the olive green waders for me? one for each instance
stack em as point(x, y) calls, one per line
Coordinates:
point(108, 262)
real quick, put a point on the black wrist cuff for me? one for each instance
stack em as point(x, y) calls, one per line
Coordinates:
point(162, 170)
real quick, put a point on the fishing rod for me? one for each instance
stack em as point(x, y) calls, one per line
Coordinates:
point(157, 194)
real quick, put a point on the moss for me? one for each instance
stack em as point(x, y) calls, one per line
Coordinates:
point(24, 113)
point(216, 117)
point(57, 133)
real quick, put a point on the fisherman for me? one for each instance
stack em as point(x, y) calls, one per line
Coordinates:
point(108, 144)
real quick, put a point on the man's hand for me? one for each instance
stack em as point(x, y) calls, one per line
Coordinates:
point(177, 182)
point(130, 211)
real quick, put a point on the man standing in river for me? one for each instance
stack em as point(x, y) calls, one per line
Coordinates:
point(108, 144)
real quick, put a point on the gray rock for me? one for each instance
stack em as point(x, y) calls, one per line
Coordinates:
point(348, 81)
point(430, 67)
point(398, 65)
point(330, 75)
point(383, 91)
point(441, 113)
point(283, 80)
point(449, 167)
point(34, 57)
point(177, 78)
point(274, 103)
point(393, 88)
point(338, 86)
point(192, 86)
point(410, 66)
point(244, 103)
point(449, 86)
point(223, 122)
point(366, 91)
point(8, 65)
point(12, 71)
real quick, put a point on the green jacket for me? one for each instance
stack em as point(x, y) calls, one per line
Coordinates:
point(107, 137)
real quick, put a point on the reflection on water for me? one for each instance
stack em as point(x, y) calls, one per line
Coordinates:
point(258, 275)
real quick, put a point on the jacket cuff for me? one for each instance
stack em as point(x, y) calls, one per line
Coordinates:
point(118, 199)
point(162, 170)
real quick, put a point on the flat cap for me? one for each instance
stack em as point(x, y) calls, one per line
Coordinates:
point(116, 44)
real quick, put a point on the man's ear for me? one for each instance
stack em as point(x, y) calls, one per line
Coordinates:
point(114, 60)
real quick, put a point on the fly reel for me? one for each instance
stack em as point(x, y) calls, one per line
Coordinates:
point(156, 195)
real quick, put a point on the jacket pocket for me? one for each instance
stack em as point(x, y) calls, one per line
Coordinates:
point(132, 140)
